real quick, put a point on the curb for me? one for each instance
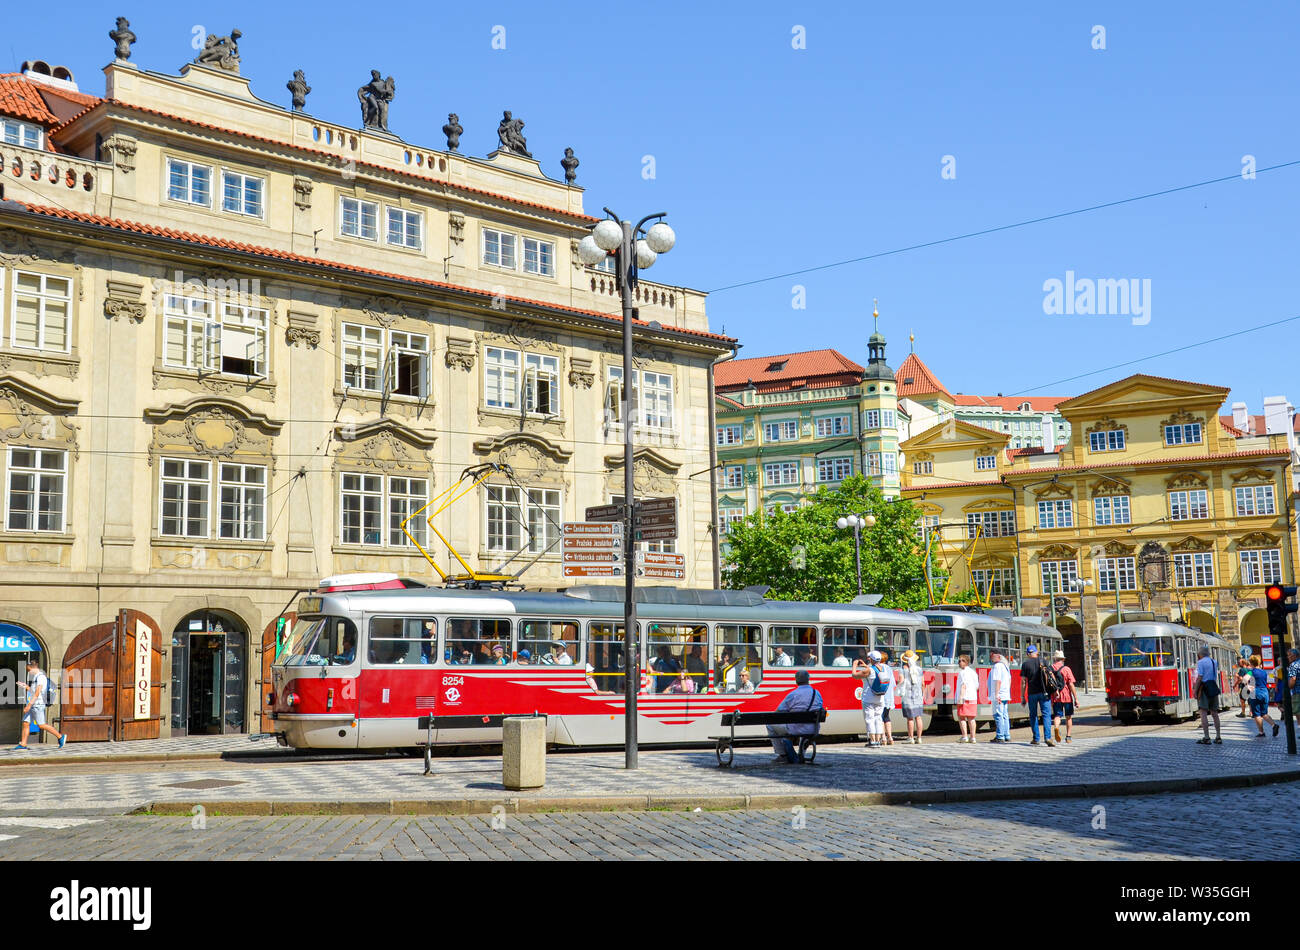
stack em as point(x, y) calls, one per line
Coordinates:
point(607, 803)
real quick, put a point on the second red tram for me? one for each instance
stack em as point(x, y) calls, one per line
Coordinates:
point(1151, 669)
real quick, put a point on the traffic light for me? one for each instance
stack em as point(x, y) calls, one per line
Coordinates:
point(1281, 601)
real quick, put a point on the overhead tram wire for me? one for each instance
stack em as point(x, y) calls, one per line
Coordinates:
point(1002, 227)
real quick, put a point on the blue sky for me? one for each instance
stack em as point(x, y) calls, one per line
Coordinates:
point(771, 159)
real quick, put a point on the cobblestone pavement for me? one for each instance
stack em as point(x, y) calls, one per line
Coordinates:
point(1148, 827)
point(1113, 754)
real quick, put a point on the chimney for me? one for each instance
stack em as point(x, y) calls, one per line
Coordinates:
point(1277, 418)
point(40, 71)
point(1241, 419)
point(1049, 433)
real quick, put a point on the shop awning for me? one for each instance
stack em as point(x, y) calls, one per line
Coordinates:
point(14, 639)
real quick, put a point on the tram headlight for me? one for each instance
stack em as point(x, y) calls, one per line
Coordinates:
point(291, 699)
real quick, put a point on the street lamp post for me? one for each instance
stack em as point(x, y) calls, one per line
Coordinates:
point(857, 523)
point(634, 249)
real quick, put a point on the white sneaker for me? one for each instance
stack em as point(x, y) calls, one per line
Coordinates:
point(918, 740)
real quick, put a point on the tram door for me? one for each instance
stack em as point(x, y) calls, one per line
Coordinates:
point(1180, 662)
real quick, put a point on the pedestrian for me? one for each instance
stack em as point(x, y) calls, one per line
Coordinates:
point(38, 697)
point(874, 688)
point(1065, 699)
point(913, 696)
point(1000, 696)
point(1207, 695)
point(1258, 690)
point(1241, 681)
point(1292, 681)
point(968, 692)
point(1033, 693)
point(887, 710)
point(802, 698)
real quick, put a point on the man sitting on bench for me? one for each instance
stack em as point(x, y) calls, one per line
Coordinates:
point(803, 698)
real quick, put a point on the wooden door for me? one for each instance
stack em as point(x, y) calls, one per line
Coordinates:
point(87, 699)
point(267, 654)
point(139, 697)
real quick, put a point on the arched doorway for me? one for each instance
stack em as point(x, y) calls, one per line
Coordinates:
point(1202, 620)
point(1110, 621)
point(18, 645)
point(1072, 632)
point(1254, 627)
point(209, 674)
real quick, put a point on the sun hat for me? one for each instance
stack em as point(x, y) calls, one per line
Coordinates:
point(1058, 655)
point(874, 655)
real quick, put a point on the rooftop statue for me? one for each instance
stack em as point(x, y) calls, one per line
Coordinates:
point(510, 133)
point(123, 37)
point(375, 97)
point(220, 51)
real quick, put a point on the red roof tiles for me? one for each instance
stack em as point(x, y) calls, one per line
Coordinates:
point(189, 237)
point(1260, 428)
point(915, 379)
point(812, 369)
point(20, 98)
point(1010, 403)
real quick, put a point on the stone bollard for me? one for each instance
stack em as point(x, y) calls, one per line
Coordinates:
point(523, 753)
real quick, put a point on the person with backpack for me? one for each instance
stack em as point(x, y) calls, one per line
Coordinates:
point(1035, 694)
point(1000, 696)
point(38, 697)
point(1065, 697)
point(1256, 692)
point(1207, 695)
point(887, 708)
point(1243, 681)
point(968, 693)
point(913, 696)
point(877, 684)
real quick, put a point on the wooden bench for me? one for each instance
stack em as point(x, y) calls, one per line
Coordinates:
point(430, 723)
point(807, 744)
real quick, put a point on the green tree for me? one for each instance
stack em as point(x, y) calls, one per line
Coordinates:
point(802, 555)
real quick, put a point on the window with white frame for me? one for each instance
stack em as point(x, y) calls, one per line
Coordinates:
point(872, 419)
point(1056, 513)
point(781, 473)
point(1110, 440)
point(727, 435)
point(889, 462)
point(233, 341)
point(501, 377)
point(784, 507)
point(888, 419)
point(363, 357)
point(189, 183)
point(995, 524)
point(404, 228)
point(927, 526)
point(923, 468)
point(834, 425)
point(834, 469)
point(361, 506)
point(785, 431)
point(994, 582)
point(1111, 509)
point(605, 264)
point(408, 364)
point(406, 496)
point(985, 463)
point(358, 218)
point(1059, 576)
point(187, 341)
point(36, 490)
point(508, 373)
point(42, 307)
point(1255, 500)
point(242, 194)
point(507, 512)
point(242, 493)
point(728, 517)
point(539, 257)
point(1117, 573)
point(1189, 505)
point(184, 490)
point(1262, 566)
point(1186, 434)
point(498, 248)
point(14, 132)
point(656, 399)
point(542, 383)
point(733, 476)
point(1194, 570)
point(873, 463)
point(241, 340)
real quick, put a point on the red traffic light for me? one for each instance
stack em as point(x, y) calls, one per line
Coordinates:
point(1273, 592)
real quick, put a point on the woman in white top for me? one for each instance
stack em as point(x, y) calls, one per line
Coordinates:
point(913, 696)
point(968, 690)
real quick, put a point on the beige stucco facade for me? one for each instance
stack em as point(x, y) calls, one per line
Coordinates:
point(346, 361)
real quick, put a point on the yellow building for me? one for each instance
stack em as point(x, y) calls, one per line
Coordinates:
point(1153, 504)
point(240, 344)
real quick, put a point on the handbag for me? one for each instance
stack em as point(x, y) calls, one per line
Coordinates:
point(1209, 688)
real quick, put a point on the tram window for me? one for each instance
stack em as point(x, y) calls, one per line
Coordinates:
point(792, 646)
point(673, 648)
point(402, 640)
point(896, 642)
point(842, 645)
point(548, 642)
point(321, 641)
point(478, 641)
point(940, 646)
point(1138, 653)
point(984, 647)
point(738, 648)
point(605, 657)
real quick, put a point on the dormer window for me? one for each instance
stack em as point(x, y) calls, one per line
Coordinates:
point(22, 133)
point(776, 366)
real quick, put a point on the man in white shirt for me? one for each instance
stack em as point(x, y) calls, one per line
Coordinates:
point(38, 691)
point(780, 657)
point(1000, 695)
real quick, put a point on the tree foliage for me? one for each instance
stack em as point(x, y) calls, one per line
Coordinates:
point(803, 555)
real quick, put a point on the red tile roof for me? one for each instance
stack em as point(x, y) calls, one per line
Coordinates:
point(1010, 403)
point(1260, 428)
point(334, 156)
point(915, 379)
point(20, 98)
point(1029, 450)
point(189, 237)
point(931, 486)
point(812, 369)
point(1180, 460)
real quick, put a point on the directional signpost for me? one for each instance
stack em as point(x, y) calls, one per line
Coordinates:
point(656, 564)
point(592, 548)
point(655, 518)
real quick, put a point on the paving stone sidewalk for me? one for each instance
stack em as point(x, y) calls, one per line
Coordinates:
point(670, 779)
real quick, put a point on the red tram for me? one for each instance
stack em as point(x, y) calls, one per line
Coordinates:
point(1151, 669)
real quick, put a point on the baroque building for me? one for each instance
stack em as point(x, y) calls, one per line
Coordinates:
point(241, 345)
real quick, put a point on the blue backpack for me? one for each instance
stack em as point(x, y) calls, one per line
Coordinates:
point(880, 686)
